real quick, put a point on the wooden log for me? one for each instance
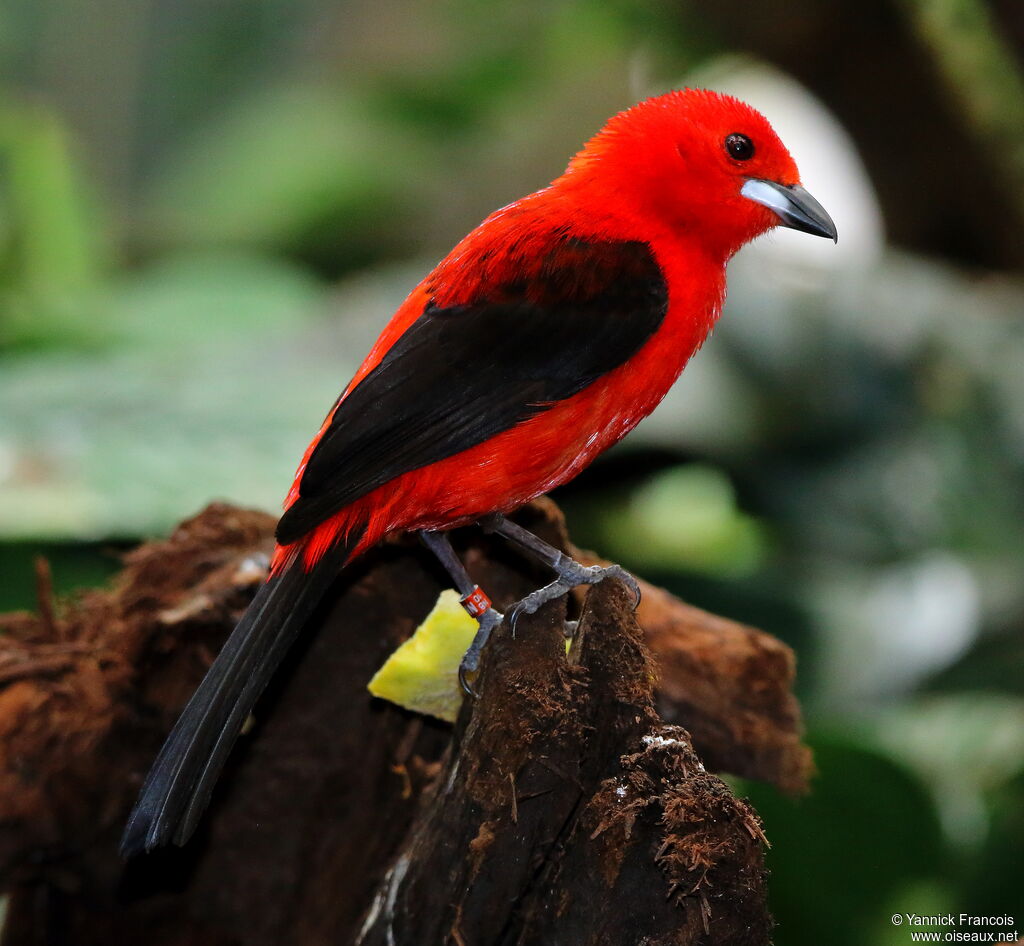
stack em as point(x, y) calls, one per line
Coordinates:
point(567, 812)
point(512, 828)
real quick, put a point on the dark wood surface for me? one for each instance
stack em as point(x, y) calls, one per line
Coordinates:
point(561, 809)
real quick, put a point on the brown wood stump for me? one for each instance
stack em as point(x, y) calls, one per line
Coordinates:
point(561, 809)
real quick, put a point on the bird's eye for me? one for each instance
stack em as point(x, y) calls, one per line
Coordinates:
point(740, 147)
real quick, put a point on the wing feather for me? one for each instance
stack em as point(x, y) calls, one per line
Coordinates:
point(463, 373)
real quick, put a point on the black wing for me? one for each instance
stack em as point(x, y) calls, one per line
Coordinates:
point(464, 373)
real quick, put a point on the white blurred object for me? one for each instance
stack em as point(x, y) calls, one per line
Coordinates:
point(891, 629)
point(830, 169)
point(922, 615)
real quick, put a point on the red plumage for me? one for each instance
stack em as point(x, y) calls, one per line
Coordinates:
point(656, 173)
point(541, 340)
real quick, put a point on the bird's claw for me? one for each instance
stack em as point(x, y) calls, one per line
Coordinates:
point(533, 602)
point(593, 574)
point(571, 575)
point(469, 666)
point(617, 571)
point(467, 676)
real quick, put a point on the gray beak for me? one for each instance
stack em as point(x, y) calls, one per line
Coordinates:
point(796, 209)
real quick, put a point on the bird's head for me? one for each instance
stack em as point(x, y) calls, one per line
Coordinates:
point(700, 161)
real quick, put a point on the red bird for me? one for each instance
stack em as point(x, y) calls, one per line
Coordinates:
point(542, 339)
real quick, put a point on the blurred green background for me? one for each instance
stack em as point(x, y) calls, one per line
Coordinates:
point(209, 207)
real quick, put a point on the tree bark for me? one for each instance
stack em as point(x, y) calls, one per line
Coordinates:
point(562, 808)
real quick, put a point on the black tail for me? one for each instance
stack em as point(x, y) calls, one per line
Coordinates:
point(178, 787)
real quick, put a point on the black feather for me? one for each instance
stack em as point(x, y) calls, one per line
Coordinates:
point(463, 373)
point(181, 780)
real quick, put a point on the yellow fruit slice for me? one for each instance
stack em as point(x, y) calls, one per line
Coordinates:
point(422, 675)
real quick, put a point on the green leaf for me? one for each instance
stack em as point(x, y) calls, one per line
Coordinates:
point(205, 298)
point(56, 244)
point(229, 374)
point(867, 830)
point(278, 166)
point(685, 517)
point(993, 885)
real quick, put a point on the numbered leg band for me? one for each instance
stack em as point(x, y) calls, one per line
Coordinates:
point(476, 602)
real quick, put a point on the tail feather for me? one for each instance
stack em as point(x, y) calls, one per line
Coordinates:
point(181, 780)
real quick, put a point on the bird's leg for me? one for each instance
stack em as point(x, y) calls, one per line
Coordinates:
point(473, 600)
point(570, 572)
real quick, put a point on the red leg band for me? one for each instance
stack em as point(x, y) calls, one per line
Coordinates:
point(476, 602)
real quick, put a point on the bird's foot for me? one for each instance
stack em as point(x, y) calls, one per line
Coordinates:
point(470, 664)
point(570, 574)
